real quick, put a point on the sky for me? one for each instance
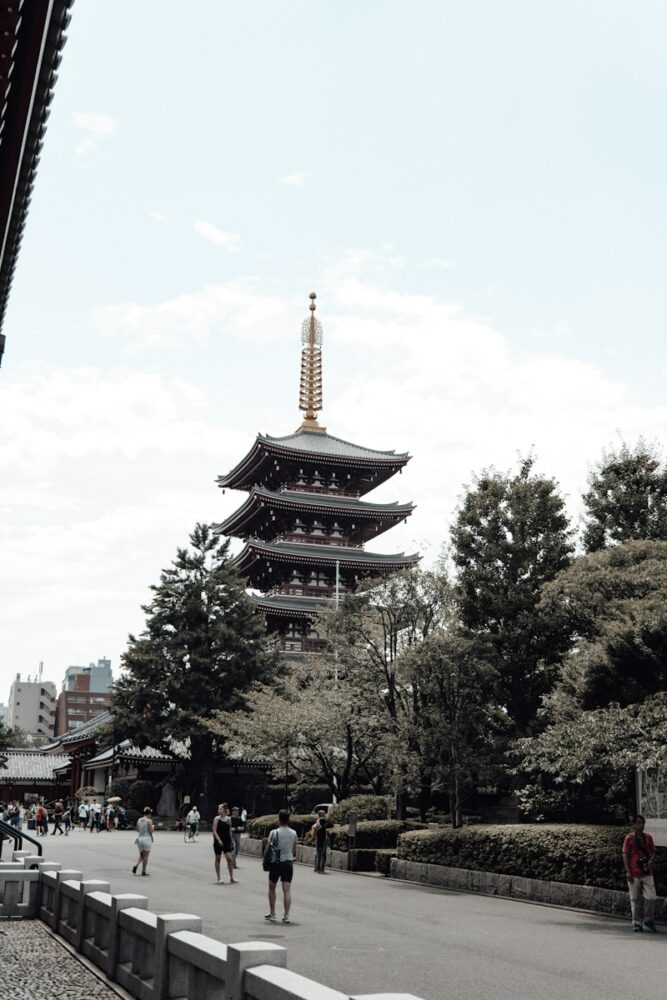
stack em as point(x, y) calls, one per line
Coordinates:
point(475, 191)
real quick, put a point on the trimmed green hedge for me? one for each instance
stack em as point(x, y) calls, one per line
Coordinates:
point(375, 833)
point(261, 826)
point(366, 807)
point(581, 855)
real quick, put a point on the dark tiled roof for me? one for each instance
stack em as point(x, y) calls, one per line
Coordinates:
point(323, 555)
point(295, 500)
point(31, 40)
point(283, 604)
point(311, 446)
point(321, 443)
point(88, 729)
point(31, 765)
point(127, 751)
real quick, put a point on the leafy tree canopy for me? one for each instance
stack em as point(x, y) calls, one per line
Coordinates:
point(626, 497)
point(310, 724)
point(613, 604)
point(598, 749)
point(510, 537)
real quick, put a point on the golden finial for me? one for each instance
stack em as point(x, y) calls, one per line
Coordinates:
point(310, 392)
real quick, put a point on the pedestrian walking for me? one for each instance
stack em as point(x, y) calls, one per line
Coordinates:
point(83, 815)
point(638, 854)
point(238, 827)
point(144, 840)
point(320, 833)
point(67, 821)
point(279, 859)
point(222, 842)
point(192, 822)
point(58, 811)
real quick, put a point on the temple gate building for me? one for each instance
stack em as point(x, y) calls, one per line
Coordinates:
point(303, 522)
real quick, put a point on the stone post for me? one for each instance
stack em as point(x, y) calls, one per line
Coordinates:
point(90, 885)
point(167, 923)
point(64, 875)
point(121, 902)
point(244, 956)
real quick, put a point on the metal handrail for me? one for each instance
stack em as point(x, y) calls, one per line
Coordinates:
point(7, 832)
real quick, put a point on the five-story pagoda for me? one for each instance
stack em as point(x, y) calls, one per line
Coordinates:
point(303, 522)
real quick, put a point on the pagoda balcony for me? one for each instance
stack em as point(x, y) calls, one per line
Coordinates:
point(304, 539)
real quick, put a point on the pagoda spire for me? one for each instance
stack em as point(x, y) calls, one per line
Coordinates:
point(310, 390)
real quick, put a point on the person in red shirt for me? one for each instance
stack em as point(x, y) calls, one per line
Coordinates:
point(638, 854)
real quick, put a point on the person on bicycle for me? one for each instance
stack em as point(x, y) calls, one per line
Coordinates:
point(192, 822)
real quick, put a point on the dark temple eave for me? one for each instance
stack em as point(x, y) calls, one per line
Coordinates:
point(311, 448)
point(32, 36)
point(321, 555)
point(384, 515)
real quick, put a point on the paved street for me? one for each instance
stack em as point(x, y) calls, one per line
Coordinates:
point(368, 934)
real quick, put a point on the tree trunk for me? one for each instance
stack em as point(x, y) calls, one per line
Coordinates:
point(426, 781)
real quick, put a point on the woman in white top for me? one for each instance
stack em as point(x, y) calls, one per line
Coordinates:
point(144, 840)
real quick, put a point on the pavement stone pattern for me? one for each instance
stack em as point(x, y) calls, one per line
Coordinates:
point(29, 956)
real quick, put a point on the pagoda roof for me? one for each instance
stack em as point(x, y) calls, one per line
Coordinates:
point(286, 605)
point(325, 504)
point(320, 555)
point(309, 446)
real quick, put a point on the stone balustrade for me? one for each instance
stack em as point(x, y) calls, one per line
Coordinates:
point(152, 956)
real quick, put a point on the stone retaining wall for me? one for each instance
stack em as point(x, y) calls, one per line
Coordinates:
point(580, 897)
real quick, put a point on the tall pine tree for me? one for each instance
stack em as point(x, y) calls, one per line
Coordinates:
point(203, 645)
point(511, 536)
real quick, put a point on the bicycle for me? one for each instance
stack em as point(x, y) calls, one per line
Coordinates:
point(190, 835)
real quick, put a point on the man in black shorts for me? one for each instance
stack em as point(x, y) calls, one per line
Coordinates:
point(222, 842)
point(282, 844)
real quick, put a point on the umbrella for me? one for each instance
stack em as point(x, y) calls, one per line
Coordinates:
point(115, 798)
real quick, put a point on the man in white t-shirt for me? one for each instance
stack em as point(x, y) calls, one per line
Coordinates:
point(192, 821)
point(282, 845)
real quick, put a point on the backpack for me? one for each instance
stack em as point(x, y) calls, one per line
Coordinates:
point(272, 852)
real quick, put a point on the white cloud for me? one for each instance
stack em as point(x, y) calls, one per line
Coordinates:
point(93, 126)
point(558, 332)
point(437, 262)
point(221, 238)
point(158, 216)
point(294, 180)
point(99, 124)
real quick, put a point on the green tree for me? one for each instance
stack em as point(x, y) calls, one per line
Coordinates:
point(309, 725)
point(613, 606)
point(202, 647)
point(456, 718)
point(626, 497)
point(510, 537)
point(592, 757)
point(370, 635)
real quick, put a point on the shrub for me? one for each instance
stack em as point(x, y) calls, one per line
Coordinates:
point(131, 817)
point(373, 833)
point(383, 860)
point(581, 855)
point(121, 786)
point(366, 807)
point(141, 794)
point(87, 791)
point(261, 826)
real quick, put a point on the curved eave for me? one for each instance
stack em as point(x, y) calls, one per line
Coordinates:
point(28, 76)
point(248, 471)
point(288, 607)
point(322, 555)
point(310, 503)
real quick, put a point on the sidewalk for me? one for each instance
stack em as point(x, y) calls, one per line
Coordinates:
point(34, 964)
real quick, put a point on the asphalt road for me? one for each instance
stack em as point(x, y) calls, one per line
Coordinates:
point(367, 934)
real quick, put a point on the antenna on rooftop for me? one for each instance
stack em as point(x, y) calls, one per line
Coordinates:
point(310, 390)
